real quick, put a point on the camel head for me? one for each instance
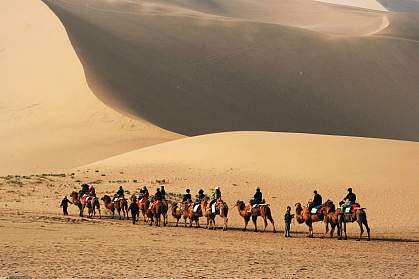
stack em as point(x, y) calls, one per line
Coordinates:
point(240, 205)
point(298, 208)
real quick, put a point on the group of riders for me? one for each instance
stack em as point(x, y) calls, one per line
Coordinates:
point(255, 202)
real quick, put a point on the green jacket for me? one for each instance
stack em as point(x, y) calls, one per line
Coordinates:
point(288, 217)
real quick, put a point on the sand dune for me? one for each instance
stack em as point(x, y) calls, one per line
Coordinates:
point(288, 167)
point(49, 118)
point(197, 67)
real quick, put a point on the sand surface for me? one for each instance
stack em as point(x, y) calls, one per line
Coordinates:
point(49, 118)
point(196, 67)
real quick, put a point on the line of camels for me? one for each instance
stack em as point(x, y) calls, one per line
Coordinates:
point(192, 212)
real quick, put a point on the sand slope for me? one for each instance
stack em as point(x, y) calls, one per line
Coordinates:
point(197, 67)
point(49, 118)
point(288, 167)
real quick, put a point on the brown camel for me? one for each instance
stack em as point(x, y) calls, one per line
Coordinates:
point(244, 213)
point(92, 203)
point(160, 210)
point(179, 211)
point(75, 199)
point(193, 216)
point(144, 205)
point(360, 216)
point(248, 212)
point(120, 204)
point(330, 217)
point(303, 215)
point(221, 209)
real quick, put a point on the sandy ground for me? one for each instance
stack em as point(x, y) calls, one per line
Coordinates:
point(195, 67)
point(49, 118)
point(37, 240)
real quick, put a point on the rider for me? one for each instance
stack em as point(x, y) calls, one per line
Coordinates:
point(163, 193)
point(216, 195)
point(317, 200)
point(158, 195)
point(349, 199)
point(119, 194)
point(200, 197)
point(84, 189)
point(257, 198)
point(145, 193)
point(91, 192)
point(187, 197)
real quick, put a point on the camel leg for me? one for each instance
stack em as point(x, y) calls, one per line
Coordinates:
point(272, 222)
point(344, 230)
point(100, 215)
point(254, 218)
point(225, 223)
point(361, 230)
point(246, 221)
point(332, 230)
point(368, 229)
point(265, 222)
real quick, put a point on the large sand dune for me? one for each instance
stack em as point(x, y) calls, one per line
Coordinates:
point(196, 67)
point(49, 118)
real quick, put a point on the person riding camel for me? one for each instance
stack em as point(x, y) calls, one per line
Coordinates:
point(200, 197)
point(157, 197)
point(257, 198)
point(91, 192)
point(163, 193)
point(348, 200)
point(216, 195)
point(187, 197)
point(84, 189)
point(119, 194)
point(146, 194)
point(317, 201)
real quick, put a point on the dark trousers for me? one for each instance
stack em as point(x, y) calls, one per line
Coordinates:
point(65, 210)
point(287, 229)
point(134, 216)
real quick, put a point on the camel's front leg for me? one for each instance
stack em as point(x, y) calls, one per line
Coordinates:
point(254, 220)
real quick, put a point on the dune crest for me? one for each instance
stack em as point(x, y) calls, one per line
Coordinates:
point(49, 118)
point(199, 67)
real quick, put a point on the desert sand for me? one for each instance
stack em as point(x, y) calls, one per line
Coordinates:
point(105, 93)
point(49, 118)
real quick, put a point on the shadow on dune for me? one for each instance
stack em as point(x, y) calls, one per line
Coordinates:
point(196, 76)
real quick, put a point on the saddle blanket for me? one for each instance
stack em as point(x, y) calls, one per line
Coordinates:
point(315, 209)
point(196, 207)
point(213, 208)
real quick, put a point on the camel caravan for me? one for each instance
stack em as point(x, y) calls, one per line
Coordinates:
point(154, 210)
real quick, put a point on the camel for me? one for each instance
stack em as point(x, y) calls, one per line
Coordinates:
point(179, 211)
point(159, 210)
point(191, 215)
point(248, 212)
point(360, 216)
point(120, 204)
point(330, 217)
point(92, 203)
point(303, 215)
point(221, 209)
point(144, 205)
point(75, 199)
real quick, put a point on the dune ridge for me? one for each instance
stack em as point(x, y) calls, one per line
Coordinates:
point(293, 66)
point(49, 118)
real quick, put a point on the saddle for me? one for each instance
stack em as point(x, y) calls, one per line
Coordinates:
point(316, 210)
point(352, 208)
